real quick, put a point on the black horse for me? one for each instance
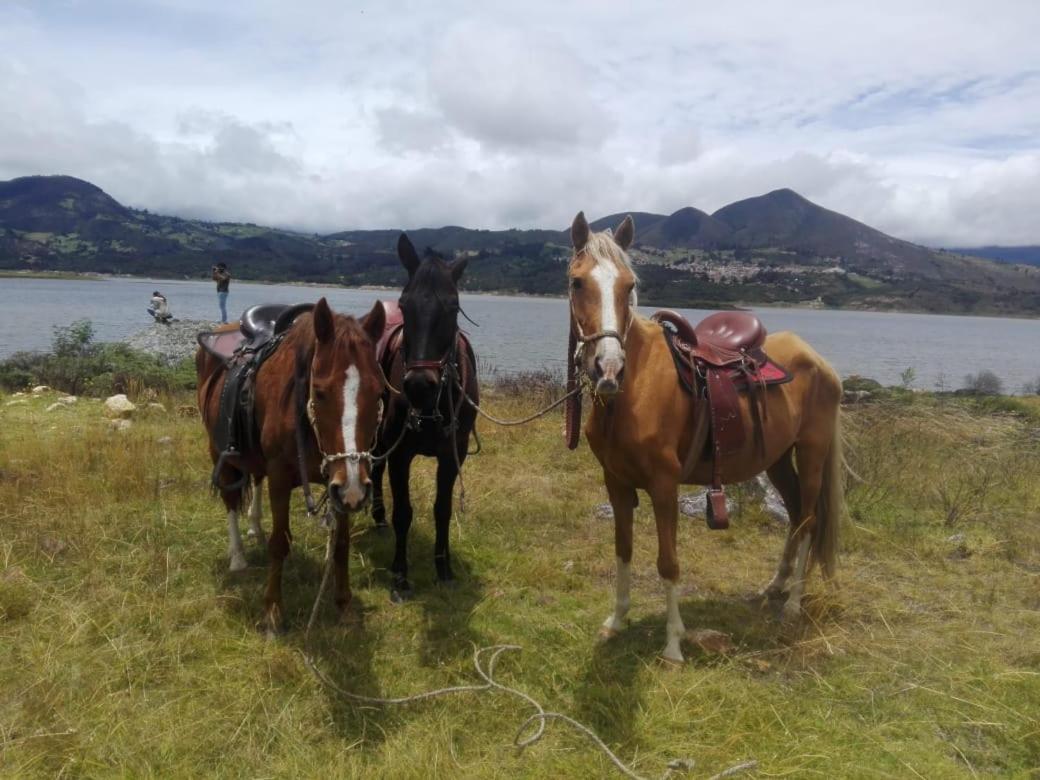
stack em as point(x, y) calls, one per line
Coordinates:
point(426, 411)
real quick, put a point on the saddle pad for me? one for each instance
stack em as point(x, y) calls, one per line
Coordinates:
point(221, 344)
point(768, 372)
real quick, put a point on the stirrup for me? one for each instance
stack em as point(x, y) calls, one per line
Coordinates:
point(715, 512)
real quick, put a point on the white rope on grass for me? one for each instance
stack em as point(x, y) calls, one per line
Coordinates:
point(488, 676)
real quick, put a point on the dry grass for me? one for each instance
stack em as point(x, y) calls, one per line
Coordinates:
point(128, 650)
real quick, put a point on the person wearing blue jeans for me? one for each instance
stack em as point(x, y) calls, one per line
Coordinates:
point(222, 277)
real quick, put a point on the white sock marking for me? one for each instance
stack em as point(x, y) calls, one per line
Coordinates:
point(793, 605)
point(236, 553)
point(622, 599)
point(674, 630)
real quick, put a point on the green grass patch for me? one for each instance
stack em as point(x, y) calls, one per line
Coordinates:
point(129, 650)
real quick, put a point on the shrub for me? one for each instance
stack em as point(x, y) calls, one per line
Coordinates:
point(857, 382)
point(983, 383)
point(78, 365)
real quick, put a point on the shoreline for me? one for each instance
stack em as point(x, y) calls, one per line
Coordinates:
point(718, 306)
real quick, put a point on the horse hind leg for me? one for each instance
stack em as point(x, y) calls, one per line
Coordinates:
point(256, 513)
point(665, 498)
point(447, 473)
point(623, 502)
point(810, 459)
point(785, 479)
point(236, 550)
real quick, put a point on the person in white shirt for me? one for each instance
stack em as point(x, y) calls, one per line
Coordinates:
point(159, 308)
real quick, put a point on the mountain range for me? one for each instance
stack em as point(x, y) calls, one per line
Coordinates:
point(777, 248)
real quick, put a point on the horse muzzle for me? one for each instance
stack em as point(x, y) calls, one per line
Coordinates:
point(350, 498)
point(608, 374)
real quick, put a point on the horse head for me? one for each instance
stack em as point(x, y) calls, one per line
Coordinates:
point(343, 399)
point(430, 305)
point(602, 295)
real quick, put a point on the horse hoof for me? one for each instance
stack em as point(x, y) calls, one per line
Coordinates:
point(668, 662)
point(400, 594)
point(606, 633)
point(238, 563)
point(381, 529)
point(448, 583)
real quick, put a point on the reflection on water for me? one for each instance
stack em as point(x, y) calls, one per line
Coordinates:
point(527, 333)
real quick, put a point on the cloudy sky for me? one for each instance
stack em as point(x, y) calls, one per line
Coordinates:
point(920, 118)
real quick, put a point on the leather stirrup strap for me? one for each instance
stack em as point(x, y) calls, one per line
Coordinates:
point(716, 514)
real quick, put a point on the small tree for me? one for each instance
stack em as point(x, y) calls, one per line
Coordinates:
point(984, 383)
point(908, 377)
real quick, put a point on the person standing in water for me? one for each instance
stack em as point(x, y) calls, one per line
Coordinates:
point(222, 277)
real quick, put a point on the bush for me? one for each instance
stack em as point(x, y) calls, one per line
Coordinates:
point(79, 366)
point(856, 382)
point(983, 383)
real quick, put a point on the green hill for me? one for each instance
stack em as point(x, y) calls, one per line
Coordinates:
point(776, 248)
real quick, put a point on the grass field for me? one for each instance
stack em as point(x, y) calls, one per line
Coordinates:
point(127, 649)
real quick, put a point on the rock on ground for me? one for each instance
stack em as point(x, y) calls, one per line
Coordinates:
point(170, 343)
point(119, 406)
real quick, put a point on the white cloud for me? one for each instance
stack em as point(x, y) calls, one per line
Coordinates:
point(922, 120)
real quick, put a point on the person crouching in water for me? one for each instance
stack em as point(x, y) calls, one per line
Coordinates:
point(222, 276)
point(159, 308)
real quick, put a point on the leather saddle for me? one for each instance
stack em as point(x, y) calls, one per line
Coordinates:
point(257, 326)
point(243, 351)
point(716, 360)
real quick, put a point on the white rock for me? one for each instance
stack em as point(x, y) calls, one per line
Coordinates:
point(122, 425)
point(68, 400)
point(155, 406)
point(17, 402)
point(55, 407)
point(40, 390)
point(165, 441)
point(119, 406)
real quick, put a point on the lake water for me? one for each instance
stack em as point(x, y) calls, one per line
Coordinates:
point(517, 334)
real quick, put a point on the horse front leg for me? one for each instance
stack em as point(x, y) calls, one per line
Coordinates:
point(665, 498)
point(279, 490)
point(400, 588)
point(623, 500)
point(341, 566)
point(446, 476)
point(378, 507)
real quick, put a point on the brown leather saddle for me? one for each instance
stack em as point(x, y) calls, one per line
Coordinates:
point(716, 360)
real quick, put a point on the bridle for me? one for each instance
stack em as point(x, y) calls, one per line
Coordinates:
point(351, 456)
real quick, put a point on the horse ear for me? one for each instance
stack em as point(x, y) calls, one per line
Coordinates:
point(625, 232)
point(373, 322)
point(579, 232)
point(324, 327)
point(408, 256)
point(457, 268)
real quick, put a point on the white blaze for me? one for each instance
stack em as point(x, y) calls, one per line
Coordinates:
point(353, 490)
point(606, 273)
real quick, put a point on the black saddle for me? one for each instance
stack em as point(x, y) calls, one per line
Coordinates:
point(243, 352)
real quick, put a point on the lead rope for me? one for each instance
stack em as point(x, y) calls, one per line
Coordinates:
point(540, 717)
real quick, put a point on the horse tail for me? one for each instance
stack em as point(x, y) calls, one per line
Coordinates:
point(830, 506)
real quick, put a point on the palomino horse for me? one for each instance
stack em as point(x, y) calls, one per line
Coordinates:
point(323, 380)
point(428, 361)
point(642, 430)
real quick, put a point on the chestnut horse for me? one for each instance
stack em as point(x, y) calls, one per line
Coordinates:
point(642, 430)
point(323, 379)
point(427, 367)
